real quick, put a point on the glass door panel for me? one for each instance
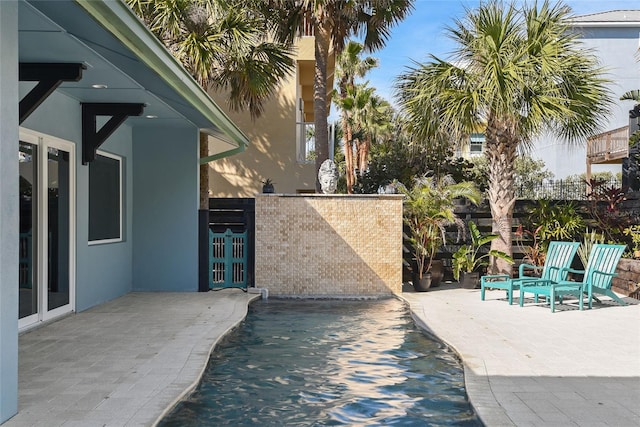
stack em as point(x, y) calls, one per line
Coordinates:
point(28, 248)
point(58, 203)
point(46, 250)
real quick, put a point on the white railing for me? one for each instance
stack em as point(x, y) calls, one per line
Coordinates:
point(610, 145)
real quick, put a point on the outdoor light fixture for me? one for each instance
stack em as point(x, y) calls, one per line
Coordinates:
point(99, 86)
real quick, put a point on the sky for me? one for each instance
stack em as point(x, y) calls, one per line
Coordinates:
point(422, 33)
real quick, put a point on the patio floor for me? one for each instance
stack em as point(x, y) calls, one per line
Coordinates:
point(125, 362)
point(530, 367)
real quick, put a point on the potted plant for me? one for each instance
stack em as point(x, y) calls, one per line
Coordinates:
point(469, 259)
point(267, 186)
point(428, 210)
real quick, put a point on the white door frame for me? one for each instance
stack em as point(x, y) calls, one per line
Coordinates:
point(44, 142)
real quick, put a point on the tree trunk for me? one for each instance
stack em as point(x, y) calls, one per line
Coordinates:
point(204, 173)
point(501, 145)
point(320, 108)
point(348, 153)
point(365, 147)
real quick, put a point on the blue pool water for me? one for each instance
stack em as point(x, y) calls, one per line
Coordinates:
point(328, 363)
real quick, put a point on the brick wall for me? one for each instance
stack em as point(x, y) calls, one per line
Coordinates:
point(329, 245)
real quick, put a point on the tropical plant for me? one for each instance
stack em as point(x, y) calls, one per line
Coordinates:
point(364, 115)
point(533, 253)
point(589, 239)
point(374, 124)
point(554, 221)
point(349, 67)
point(428, 210)
point(633, 232)
point(516, 72)
point(333, 22)
point(222, 44)
point(470, 258)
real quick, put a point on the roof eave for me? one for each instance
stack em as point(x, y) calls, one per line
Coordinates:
point(603, 24)
point(119, 20)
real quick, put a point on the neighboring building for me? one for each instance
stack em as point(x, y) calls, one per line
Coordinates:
point(99, 137)
point(281, 140)
point(614, 37)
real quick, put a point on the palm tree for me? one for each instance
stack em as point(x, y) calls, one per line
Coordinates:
point(373, 121)
point(333, 22)
point(517, 72)
point(223, 45)
point(349, 67)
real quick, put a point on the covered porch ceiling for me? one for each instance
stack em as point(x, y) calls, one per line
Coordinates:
point(124, 63)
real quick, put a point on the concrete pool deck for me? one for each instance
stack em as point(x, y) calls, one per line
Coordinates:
point(124, 362)
point(529, 367)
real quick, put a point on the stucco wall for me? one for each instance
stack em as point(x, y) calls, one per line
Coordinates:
point(9, 216)
point(616, 50)
point(103, 271)
point(329, 245)
point(272, 152)
point(165, 216)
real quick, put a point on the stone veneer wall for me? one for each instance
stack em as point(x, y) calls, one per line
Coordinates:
point(628, 280)
point(329, 245)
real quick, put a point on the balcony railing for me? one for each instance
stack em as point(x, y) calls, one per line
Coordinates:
point(307, 27)
point(609, 146)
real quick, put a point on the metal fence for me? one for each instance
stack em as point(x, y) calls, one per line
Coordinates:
point(560, 189)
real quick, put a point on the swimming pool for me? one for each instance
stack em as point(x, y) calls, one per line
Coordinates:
point(328, 362)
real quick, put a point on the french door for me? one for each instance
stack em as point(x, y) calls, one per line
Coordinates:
point(46, 279)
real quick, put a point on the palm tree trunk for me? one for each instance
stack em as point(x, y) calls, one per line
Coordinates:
point(501, 144)
point(365, 146)
point(348, 153)
point(322, 41)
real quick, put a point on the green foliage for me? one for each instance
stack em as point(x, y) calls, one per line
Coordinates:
point(470, 257)
point(528, 173)
point(633, 232)
point(390, 161)
point(589, 239)
point(554, 221)
point(604, 213)
point(428, 210)
point(222, 44)
point(397, 160)
point(515, 72)
point(596, 176)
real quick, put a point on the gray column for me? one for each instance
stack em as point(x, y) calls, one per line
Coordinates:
point(9, 221)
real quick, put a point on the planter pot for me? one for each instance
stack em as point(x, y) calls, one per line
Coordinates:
point(437, 272)
point(470, 280)
point(268, 188)
point(422, 285)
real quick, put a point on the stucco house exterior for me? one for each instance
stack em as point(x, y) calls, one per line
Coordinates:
point(613, 36)
point(99, 133)
point(279, 148)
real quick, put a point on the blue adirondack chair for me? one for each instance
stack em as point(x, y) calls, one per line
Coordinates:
point(597, 278)
point(559, 257)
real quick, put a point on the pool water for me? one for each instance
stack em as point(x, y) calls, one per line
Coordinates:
point(328, 363)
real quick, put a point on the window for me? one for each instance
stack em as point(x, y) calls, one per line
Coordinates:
point(476, 144)
point(307, 142)
point(105, 199)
